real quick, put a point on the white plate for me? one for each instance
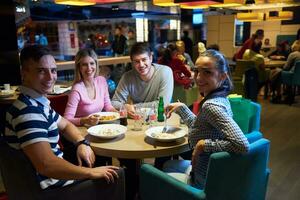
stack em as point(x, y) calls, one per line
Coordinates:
point(114, 116)
point(107, 131)
point(60, 89)
point(174, 133)
point(6, 93)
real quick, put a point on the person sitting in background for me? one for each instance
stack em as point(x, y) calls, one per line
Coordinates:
point(106, 71)
point(275, 77)
point(145, 83)
point(33, 127)
point(296, 42)
point(256, 38)
point(183, 56)
point(181, 74)
point(89, 93)
point(214, 47)
point(201, 48)
point(213, 129)
point(254, 55)
point(282, 51)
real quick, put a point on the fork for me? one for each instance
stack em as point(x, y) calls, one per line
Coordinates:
point(165, 129)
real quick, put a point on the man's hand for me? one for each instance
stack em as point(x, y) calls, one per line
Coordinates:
point(107, 172)
point(130, 110)
point(199, 148)
point(85, 153)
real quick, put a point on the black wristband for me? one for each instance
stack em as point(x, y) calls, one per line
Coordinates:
point(84, 141)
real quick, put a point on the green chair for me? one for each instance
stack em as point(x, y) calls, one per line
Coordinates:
point(229, 177)
point(187, 96)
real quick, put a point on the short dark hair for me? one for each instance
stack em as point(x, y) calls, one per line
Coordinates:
point(34, 52)
point(259, 32)
point(140, 48)
point(214, 47)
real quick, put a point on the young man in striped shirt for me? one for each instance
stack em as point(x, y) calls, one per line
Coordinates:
point(33, 127)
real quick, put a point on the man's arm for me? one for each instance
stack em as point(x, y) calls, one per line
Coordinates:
point(166, 85)
point(72, 133)
point(121, 94)
point(47, 164)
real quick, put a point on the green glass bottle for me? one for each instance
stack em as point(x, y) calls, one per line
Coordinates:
point(160, 111)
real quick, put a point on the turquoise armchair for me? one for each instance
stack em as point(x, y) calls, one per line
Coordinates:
point(246, 114)
point(229, 177)
point(291, 79)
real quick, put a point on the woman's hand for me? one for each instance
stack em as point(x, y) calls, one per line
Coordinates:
point(90, 120)
point(199, 148)
point(172, 107)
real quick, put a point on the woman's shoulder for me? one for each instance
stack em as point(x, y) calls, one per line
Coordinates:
point(216, 103)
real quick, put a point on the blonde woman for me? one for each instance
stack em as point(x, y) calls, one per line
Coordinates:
point(89, 93)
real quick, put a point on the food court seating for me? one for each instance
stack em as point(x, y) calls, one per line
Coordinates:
point(20, 181)
point(291, 79)
point(229, 177)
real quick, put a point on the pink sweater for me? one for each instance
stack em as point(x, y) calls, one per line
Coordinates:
point(80, 105)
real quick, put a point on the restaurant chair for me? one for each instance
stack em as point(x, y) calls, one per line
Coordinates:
point(229, 177)
point(58, 102)
point(20, 181)
point(292, 80)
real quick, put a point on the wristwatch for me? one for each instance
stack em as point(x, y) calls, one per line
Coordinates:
point(84, 141)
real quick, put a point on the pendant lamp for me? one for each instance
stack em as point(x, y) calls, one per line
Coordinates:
point(108, 1)
point(164, 3)
point(76, 2)
point(197, 4)
point(250, 17)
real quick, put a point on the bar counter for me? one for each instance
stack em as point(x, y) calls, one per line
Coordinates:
point(68, 65)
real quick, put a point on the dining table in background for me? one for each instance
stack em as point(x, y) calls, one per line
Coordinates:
point(274, 63)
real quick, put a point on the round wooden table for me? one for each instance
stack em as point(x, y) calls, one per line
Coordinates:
point(136, 145)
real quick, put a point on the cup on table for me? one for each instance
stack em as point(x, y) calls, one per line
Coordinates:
point(138, 118)
point(7, 86)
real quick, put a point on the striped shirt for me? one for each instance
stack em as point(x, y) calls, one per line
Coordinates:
point(217, 128)
point(29, 120)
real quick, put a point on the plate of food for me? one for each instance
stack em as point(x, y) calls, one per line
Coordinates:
point(173, 133)
point(107, 131)
point(6, 93)
point(107, 116)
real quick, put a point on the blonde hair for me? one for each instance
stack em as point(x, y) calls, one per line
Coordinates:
point(296, 46)
point(81, 54)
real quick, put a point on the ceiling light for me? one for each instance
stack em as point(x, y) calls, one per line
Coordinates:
point(164, 3)
point(197, 4)
point(228, 3)
point(76, 2)
point(108, 1)
point(279, 15)
point(250, 17)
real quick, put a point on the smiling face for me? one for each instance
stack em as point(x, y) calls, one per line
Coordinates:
point(40, 76)
point(87, 68)
point(143, 65)
point(207, 76)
